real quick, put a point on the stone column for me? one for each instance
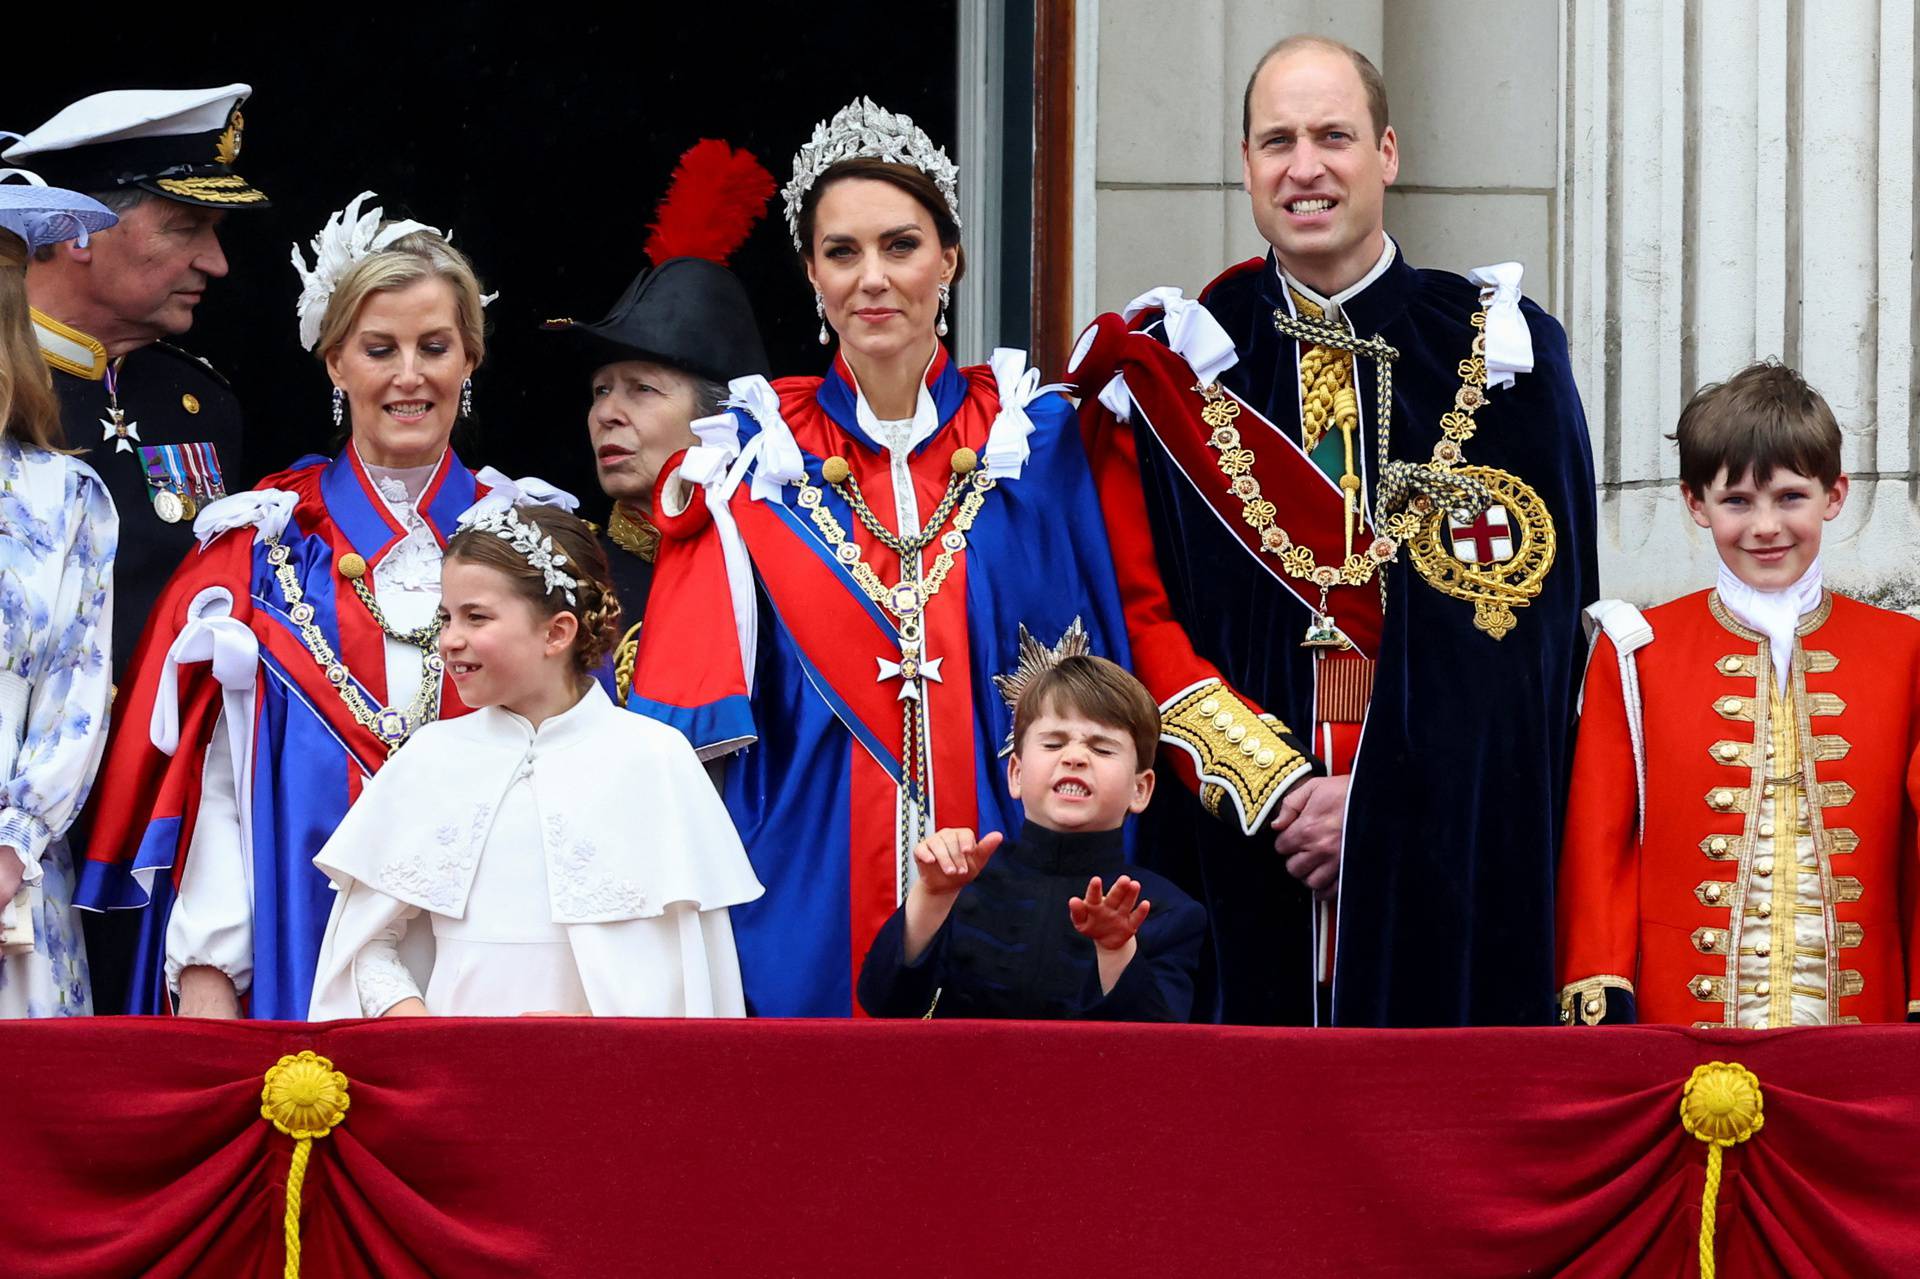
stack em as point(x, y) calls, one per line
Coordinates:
point(1739, 184)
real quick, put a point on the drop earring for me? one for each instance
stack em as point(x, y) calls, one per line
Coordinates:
point(820, 309)
point(339, 406)
point(466, 398)
point(946, 296)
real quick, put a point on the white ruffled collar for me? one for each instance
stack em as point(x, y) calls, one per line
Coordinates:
point(1775, 614)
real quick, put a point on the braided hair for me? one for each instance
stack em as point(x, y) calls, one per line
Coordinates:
point(596, 605)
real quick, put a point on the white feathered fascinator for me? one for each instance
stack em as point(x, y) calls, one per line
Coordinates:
point(348, 236)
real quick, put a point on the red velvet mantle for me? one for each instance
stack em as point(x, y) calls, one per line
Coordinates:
point(580, 1148)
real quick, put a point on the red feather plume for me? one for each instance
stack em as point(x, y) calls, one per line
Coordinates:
point(716, 196)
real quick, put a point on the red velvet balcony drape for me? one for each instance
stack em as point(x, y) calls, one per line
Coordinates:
point(611, 1148)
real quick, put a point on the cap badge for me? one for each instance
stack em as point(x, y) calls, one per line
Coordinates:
point(227, 149)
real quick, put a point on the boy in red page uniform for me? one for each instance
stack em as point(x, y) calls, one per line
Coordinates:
point(1740, 842)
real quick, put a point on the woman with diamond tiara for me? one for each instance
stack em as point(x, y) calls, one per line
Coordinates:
point(571, 859)
point(295, 650)
point(848, 561)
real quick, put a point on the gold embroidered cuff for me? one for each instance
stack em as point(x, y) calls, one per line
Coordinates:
point(1586, 999)
point(1251, 757)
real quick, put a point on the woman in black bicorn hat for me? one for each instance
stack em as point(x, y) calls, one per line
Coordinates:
point(662, 357)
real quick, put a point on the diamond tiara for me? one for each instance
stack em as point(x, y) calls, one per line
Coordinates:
point(861, 130)
point(530, 542)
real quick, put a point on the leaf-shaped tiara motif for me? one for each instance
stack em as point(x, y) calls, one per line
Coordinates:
point(529, 541)
point(861, 130)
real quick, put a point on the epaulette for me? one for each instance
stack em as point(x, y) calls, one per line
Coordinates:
point(198, 361)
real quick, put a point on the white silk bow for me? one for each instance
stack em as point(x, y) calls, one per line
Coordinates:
point(267, 511)
point(213, 635)
point(1509, 343)
point(778, 461)
point(504, 492)
point(1192, 332)
point(1007, 447)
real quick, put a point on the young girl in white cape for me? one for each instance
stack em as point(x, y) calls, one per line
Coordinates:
point(569, 857)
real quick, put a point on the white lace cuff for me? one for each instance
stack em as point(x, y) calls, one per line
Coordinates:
point(379, 976)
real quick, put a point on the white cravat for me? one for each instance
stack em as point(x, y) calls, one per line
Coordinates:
point(1775, 614)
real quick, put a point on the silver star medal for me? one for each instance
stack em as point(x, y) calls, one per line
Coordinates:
point(910, 670)
point(116, 426)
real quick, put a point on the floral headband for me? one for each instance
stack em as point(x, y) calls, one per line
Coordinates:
point(494, 514)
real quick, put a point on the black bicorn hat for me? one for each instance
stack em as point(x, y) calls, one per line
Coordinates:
point(177, 143)
point(689, 313)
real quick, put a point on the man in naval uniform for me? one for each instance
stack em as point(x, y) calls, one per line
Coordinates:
point(659, 361)
point(160, 426)
point(1352, 510)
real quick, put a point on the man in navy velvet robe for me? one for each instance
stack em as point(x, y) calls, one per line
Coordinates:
point(1352, 508)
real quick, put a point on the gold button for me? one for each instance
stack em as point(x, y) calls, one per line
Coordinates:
point(1764, 988)
point(1718, 843)
point(1763, 867)
point(1731, 665)
point(1729, 750)
point(1767, 790)
point(1723, 799)
point(1223, 721)
point(1763, 950)
point(1704, 987)
point(1769, 750)
point(1734, 705)
point(1593, 1008)
point(1766, 830)
point(190, 402)
point(1210, 707)
point(1764, 909)
point(1264, 759)
point(1713, 892)
point(1237, 733)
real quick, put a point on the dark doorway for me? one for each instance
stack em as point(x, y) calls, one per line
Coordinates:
point(541, 138)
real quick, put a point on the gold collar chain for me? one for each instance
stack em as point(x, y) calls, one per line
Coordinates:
point(1408, 496)
point(906, 602)
point(389, 723)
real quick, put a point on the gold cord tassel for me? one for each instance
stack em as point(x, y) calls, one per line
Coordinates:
point(1720, 1105)
point(305, 1098)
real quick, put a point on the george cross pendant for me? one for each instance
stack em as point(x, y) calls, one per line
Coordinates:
point(115, 427)
point(910, 670)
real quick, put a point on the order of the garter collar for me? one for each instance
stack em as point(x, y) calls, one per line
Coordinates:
point(861, 130)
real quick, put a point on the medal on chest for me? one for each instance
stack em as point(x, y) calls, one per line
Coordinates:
point(116, 425)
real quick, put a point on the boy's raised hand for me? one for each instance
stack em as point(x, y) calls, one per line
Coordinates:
point(1109, 919)
point(950, 859)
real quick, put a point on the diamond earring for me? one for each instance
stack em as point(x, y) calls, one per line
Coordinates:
point(820, 309)
point(339, 406)
point(466, 398)
point(946, 297)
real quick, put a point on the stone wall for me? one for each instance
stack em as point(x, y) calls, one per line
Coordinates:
point(1691, 184)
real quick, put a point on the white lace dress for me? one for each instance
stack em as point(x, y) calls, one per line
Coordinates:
point(58, 534)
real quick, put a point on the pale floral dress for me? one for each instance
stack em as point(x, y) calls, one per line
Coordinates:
point(58, 533)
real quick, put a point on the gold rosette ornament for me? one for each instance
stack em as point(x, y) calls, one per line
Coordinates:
point(305, 1098)
point(1720, 1105)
